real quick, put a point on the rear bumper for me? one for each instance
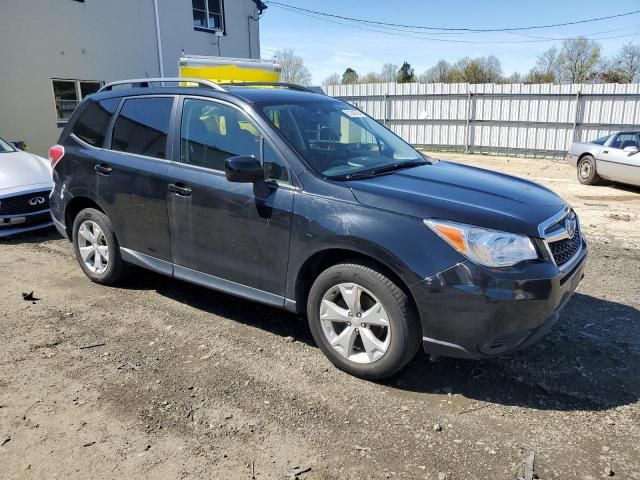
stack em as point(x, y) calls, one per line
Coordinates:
point(469, 311)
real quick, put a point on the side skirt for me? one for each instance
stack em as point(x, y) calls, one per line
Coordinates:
point(206, 280)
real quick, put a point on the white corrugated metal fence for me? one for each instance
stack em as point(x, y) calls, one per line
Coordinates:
point(541, 120)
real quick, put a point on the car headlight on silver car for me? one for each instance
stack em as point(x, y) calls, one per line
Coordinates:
point(490, 248)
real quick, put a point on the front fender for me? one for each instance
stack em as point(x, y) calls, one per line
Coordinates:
point(400, 242)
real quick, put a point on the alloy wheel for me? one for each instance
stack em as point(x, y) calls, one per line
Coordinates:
point(355, 323)
point(93, 247)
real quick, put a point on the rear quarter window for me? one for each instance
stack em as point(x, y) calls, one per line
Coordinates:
point(601, 140)
point(92, 124)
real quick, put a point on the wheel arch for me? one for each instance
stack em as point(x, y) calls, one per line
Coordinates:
point(75, 205)
point(320, 260)
point(586, 154)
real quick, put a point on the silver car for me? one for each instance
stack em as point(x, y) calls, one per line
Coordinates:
point(614, 157)
point(25, 185)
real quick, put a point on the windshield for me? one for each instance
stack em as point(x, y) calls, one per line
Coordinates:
point(338, 140)
point(601, 140)
point(5, 146)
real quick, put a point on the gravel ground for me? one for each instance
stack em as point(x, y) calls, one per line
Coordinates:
point(161, 379)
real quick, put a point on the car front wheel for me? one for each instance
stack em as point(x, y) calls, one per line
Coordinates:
point(362, 321)
point(587, 174)
point(96, 247)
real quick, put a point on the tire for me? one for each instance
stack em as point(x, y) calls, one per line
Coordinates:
point(366, 359)
point(111, 267)
point(587, 173)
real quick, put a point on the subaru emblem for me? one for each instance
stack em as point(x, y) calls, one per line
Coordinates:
point(571, 225)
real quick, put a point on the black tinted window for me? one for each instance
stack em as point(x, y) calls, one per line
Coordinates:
point(601, 140)
point(274, 166)
point(212, 132)
point(142, 127)
point(93, 122)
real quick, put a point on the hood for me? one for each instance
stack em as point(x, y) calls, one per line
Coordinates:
point(22, 169)
point(463, 194)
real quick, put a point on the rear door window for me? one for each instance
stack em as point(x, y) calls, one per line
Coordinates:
point(142, 126)
point(92, 124)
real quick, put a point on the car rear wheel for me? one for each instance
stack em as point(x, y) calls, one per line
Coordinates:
point(587, 173)
point(96, 247)
point(362, 321)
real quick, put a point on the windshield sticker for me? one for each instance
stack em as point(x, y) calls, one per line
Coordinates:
point(354, 113)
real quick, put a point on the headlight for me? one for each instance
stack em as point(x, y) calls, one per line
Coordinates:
point(490, 248)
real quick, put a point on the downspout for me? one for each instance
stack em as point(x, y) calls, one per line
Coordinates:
point(158, 39)
point(249, 28)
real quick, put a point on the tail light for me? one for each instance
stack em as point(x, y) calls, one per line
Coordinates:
point(55, 154)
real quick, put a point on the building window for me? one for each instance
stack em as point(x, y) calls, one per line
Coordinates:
point(208, 14)
point(68, 93)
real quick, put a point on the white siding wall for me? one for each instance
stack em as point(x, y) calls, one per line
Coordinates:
point(96, 40)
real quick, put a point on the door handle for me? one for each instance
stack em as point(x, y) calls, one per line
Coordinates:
point(605, 151)
point(103, 169)
point(180, 189)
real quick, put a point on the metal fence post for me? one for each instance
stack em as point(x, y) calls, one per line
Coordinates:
point(576, 117)
point(468, 125)
point(386, 110)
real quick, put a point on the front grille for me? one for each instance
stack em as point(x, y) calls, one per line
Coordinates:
point(564, 250)
point(25, 204)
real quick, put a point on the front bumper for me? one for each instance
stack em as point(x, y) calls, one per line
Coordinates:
point(469, 311)
point(571, 159)
point(15, 224)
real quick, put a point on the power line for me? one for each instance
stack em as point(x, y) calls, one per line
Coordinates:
point(459, 29)
point(587, 35)
point(426, 36)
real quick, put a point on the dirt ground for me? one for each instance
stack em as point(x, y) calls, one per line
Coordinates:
point(160, 379)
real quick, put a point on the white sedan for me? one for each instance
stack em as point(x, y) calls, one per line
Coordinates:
point(614, 157)
point(25, 185)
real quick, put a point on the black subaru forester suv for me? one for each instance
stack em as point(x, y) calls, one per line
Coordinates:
point(301, 201)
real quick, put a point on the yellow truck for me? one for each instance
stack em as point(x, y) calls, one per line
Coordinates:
point(229, 70)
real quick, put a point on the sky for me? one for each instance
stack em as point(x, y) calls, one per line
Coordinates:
point(329, 47)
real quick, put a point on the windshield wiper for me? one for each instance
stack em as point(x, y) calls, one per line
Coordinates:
point(384, 169)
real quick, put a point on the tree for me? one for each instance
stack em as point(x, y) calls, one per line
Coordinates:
point(293, 68)
point(607, 74)
point(514, 78)
point(439, 73)
point(476, 70)
point(578, 59)
point(371, 77)
point(547, 69)
point(349, 76)
point(492, 69)
point(627, 63)
point(405, 74)
point(333, 79)
point(536, 76)
point(389, 71)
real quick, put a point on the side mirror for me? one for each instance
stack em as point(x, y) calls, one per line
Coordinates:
point(630, 149)
point(243, 169)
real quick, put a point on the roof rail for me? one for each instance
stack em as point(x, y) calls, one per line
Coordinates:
point(145, 82)
point(290, 86)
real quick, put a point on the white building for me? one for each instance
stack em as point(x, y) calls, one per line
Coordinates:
point(54, 52)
